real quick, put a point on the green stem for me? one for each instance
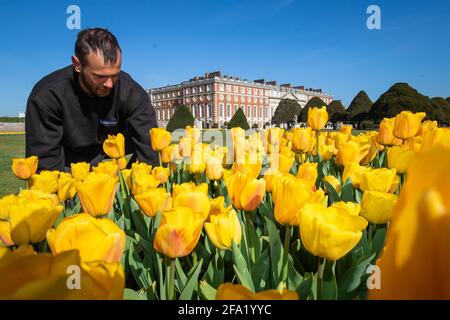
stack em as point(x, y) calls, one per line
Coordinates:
point(172, 280)
point(317, 145)
point(159, 156)
point(251, 245)
point(320, 269)
point(287, 241)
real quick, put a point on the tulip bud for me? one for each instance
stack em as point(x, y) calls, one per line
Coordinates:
point(317, 118)
point(160, 139)
point(114, 146)
point(24, 168)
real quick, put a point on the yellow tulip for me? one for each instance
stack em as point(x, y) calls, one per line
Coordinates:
point(350, 208)
point(126, 174)
point(185, 146)
point(354, 171)
point(334, 183)
point(246, 193)
point(114, 146)
point(377, 180)
point(170, 154)
point(224, 229)
point(372, 153)
point(327, 151)
point(237, 132)
point(101, 239)
point(214, 168)
point(160, 139)
point(189, 187)
point(303, 140)
point(197, 162)
point(415, 261)
point(24, 168)
point(434, 137)
point(197, 201)
point(270, 176)
point(290, 194)
point(96, 193)
point(178, 232)
point(274, 135)
point(351, 151)
point(31, 276)
point(161, 174)
point(32, 215)
point(281, 162)
point(80, 170)
point(317, 118)
point(427, 126)
point(45, 181)
point(249, 165)
point(140, 168)
point(327, 232)
point(346, 129)
point(152, 201)
point(407, 124)
point(395, 184)
point(218, 206)
point(399, 158)
point(193, 133)
point(122, 163)
point(386, 133)
point(228, 291)
point(308, 171)
point(66, 188)
point(108, 167)
point(143, 182)
point(377, 207)
point(5, 202)
point(5, 234)
point(339, 138)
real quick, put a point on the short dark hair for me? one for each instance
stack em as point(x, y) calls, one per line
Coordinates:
point(97, 40)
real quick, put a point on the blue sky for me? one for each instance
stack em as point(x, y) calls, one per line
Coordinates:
point(319, 44)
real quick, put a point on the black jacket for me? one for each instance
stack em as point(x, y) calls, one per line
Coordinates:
point(63, 125)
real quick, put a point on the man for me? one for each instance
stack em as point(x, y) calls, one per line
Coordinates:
point(71, 111)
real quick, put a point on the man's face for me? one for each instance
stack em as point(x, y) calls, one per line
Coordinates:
point(97, 78)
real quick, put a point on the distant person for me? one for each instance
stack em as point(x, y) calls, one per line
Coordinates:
point(71, 111)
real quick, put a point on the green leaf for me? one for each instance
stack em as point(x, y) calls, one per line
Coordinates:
point(305, 288)
point(254, 245)
point(130, 294)
point(333, 195)
point(207, 291)
point(347, 193)
point(266, 211)
point(138, 219)
point(181, 276)
point(261, 271)
point(137, 268)
point(215, 274)
point(329, 290)
point(358, 196)
point(351, 279)
point(276, 251)
point(190, 290)
point(241, 268)
point(378, 243)
point(294, 278)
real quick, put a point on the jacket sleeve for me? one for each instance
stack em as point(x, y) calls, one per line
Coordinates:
point(44, 132)
point(140, 120)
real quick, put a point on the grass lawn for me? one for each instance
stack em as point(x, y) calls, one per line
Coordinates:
point(10, 146)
